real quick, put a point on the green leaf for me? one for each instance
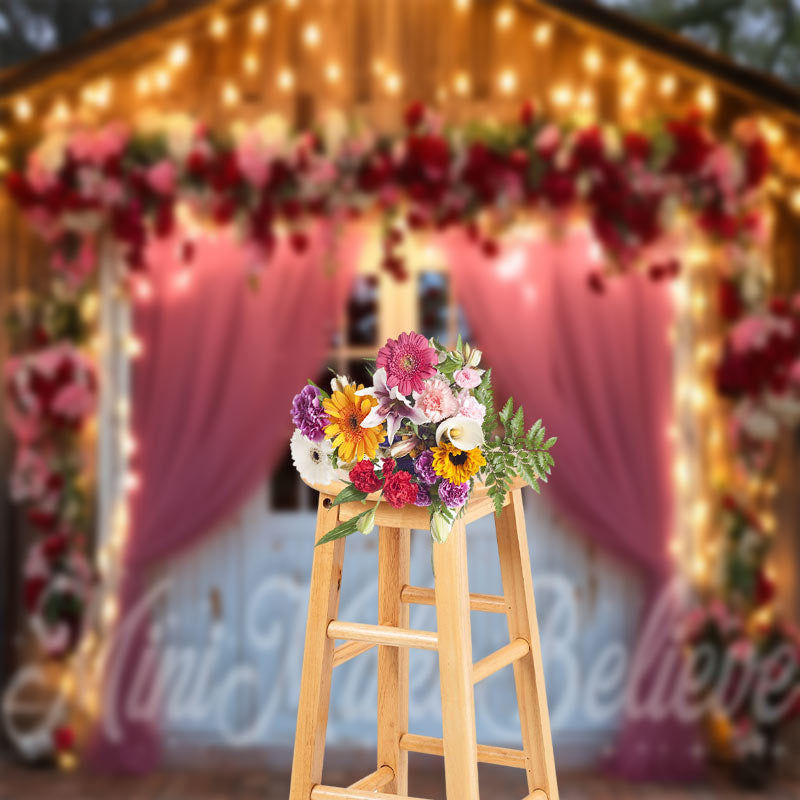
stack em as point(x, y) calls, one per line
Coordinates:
point(508, 410)
point(343, 529)
point(348, 495)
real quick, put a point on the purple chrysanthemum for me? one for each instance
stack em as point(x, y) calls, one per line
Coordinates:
point(423, 466)
point(423, 498)
point(308, 414)
point(453, 495)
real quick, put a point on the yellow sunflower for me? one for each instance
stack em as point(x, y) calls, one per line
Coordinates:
point(347, 412)
point(457, 466)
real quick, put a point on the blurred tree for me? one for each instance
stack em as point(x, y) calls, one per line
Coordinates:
point(763, 34)
point(31, 27)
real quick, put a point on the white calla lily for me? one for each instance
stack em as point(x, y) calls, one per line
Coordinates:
point(463, 432)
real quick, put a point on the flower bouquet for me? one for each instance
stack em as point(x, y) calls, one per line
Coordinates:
point(423, 434)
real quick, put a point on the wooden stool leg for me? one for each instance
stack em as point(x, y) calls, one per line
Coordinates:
point(455, 666)
point(512, 543)
point(315, 684)
point(393, 574)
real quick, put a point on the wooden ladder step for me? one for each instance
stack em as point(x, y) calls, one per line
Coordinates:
point(344, 652)
point(494, 604)
point(539, 794)
point(383, 634)
point(502, 756)
point(375, 780)
point(494, 662)
point(332, 793)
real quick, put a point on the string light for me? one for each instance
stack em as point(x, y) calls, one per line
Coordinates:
point(162, 80)
point(794, 200)
point(542, 33)
point(586, 99)
point(60, 111)
point(333, 72)
point(706, 98)
point(462, 5)
point(285, 80)
point(561, 96)
point(462, 83)
point(144, 85)
point(259, 22)
point(504, 18)
point(393, 83)
point(667, 85)
point(311, 35)
point(179, 55)
point(23, 109)
point(250, 63)
point(218, 27)
point(378, 67)
point(592, 60)
point(134, 347)
point(230, 94)
point(507, 81)
point(292, 3)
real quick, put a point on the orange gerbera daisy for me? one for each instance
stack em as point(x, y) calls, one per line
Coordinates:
point(347, 412)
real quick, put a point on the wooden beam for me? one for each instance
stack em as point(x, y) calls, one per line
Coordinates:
point(375, 781)
point(344, 652)
point(332, 793)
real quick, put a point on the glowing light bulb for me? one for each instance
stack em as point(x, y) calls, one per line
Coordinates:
point(132, 482)
point(218, 27)
point(163, 80)
point(543, 33)
point(285, 80)
point(60, 112)
point(592, 60)
point(507, 81)
point(311, 35)
point(561, 95)
point(462, 5)
point(706, 98)
point(504, 18)
point(333, 72)
point(183, 280)
point(668, 85)
point(23, 109)
point(292, 3)
point(144, 85)
point(586, 99)
point(134, 347)
point(393, 83)
point(259, 22)
point(462, 83)
point(250, 63)
point(230, 94)
point(794, 200)
point(629, 68)
point(179, 55)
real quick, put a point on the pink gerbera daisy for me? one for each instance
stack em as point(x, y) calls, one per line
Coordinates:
point(408, 361)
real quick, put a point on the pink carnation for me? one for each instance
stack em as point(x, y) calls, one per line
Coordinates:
point(437, 401)
point(468, 377)
point(469, 407)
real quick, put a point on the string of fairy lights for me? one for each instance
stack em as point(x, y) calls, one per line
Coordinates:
point(693, 545)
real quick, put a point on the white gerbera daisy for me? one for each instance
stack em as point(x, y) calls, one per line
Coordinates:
point(312, 459)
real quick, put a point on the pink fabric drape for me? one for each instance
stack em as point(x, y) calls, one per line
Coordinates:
point(211, 398)
point(598, 371)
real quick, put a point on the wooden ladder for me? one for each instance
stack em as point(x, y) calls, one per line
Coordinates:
point(453, 641)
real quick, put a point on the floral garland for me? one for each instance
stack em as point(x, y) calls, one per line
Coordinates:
point(420, 435)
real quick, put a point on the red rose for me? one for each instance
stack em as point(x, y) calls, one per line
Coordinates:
point(31, 592)
point(63, 738)
point(400, 490)
point(589, 150)
point(558, 188)
point(364, 478)
point(730, 303)
point(756, 162)
point(765, 589)
point(636, 146)
point(414, 115)
point(691, 145)
point(527, 114)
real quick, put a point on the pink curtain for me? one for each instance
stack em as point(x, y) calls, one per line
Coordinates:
point(211, 398)
point(597, 369)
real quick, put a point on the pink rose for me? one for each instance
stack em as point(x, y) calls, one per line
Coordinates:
point(161, 177)
point(468, 377)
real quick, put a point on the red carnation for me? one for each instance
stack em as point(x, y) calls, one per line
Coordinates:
point(364, 478)
point(55, 546)
point(400, 490)
point(527, 114)
point(730, 303)
point(388, 467)
point(691, 145)
point(558, 188)
point(756, 162)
